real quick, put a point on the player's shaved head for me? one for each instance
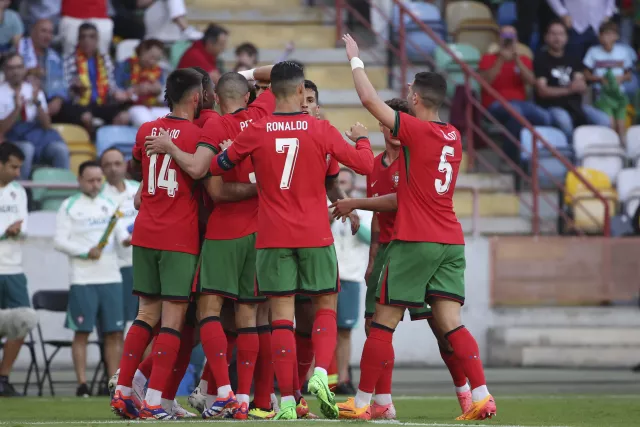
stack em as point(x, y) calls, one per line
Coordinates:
point(430, 87)
point(287, 78)
point(180, 84)
point(232, 86)
point(208, 101)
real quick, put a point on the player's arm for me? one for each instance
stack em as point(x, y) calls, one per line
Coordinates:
point(358, 158)
point(221, 191)
point(238, 151)
point(262, 74)
point(137, 199)
point(194, 164)
point(335, 193)
point(386, 203)
point(367, 93)
point(62, 239)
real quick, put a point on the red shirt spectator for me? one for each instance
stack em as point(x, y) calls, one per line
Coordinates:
point(84, 9)
point(204, 53)
point(508, 82)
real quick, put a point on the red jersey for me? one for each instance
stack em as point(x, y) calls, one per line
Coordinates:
point(84, 9)
point(233, 220)
point(381, 181)
point(289, 154)
point(333, 167)
point(168, 216)
point(508, 82)
point(197, 56)
point(204, 116)
point(430, 159)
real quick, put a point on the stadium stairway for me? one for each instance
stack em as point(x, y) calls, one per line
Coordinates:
point(270, 25)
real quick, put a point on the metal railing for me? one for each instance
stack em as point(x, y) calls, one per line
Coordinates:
point(400, 50)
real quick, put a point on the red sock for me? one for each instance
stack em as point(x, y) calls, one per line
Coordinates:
point(467, 352)
point(248, 348)
point(455, 368)
point(304, 352)
point(182, 364)
point(212, 388)
point(214, 344)
point(135, 344)
point(376, 355)
point(146, 365)
point(263, 373)
point(324, 337)
point(297, 385)
point(283, 346)
point(232, 338)
point(383, 386)
point(165, 354)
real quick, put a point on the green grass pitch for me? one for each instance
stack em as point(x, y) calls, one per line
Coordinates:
point(556, 410)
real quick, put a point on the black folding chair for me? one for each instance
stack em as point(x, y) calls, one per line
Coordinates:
point(56, 301)
point(33, 365)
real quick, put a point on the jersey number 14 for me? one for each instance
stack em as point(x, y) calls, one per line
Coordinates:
point(166, 179)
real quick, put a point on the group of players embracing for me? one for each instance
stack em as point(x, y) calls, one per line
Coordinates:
point(268, 167)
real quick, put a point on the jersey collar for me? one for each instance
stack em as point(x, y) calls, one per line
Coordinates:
point(169, 116)
point(238, 110)
point(293, 113)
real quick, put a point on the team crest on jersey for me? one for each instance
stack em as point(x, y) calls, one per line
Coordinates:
point(396, 179)
point(105, 210)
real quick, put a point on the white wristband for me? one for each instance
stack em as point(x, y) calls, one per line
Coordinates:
point(356, 63)
point(248, 74)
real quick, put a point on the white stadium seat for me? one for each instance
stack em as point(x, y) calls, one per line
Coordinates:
point(633, 144)
point(126, 49)
point(599, 147)
point(629, 189)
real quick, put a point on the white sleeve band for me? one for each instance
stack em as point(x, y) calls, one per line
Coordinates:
point(248, 74)
point(356, 63)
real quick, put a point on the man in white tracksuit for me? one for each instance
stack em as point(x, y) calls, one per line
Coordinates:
point(121, 192)
point(353, 255)
point(96, 283)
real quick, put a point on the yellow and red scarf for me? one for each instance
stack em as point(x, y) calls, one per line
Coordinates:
point(140, 75)
point(102, 80)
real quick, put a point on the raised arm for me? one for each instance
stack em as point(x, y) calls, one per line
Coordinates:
point(367, 93)
point(358, 158)
point(262, 74)
point(194, 164)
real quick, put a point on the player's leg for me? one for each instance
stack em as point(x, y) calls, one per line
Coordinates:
point(445, 293)
point(304, 314)
point(277, 278)
point(261, 407)
point(319, 277)
point(82, 313)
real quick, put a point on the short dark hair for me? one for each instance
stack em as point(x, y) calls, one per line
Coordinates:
point(298, 63)
point(398, 104)
point(109, 150)
point(87, 26)
point(308, 84)
point(285, 77)
point(609, 26)
point(87, 164)
point(179, 83)
point(208, 87)
point(248, 48)
point(555, 21)
point(431, 87)
point(232, 85)
point(149, 44)
point(7, 150)
point(9, 56)
point(213, 32)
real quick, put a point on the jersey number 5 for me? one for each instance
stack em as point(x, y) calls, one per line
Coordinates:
point(290, 146)
point(446, 168)
point(166, 179)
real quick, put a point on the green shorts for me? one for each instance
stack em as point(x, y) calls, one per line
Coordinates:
point(164, 274)
point(13, 291)
point(415, 272)
point(306, 271)
point(129, 299)
point(95, 305)
point(372, 288)
point(228, 269)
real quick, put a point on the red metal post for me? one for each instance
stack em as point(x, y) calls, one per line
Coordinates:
point(535, 190)
point(470, 124)
point(403, 55)
point(339, 30)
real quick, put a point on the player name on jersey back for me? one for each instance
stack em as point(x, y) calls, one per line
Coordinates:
point(286, 126)
point(168, 217)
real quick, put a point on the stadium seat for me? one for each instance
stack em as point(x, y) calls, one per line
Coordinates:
point(78, 141)
point(480, 33)
point(177, 50)
point(629, 189)
point(507, 13)
point(56, 301)
point(598, 147)
point(455, 76)
point(588, 210)
point(633, 144)
point(121, 137)
point(126, 49)
point(418, 44)
point(458, 11)
point(51, 199)
point(547, 161)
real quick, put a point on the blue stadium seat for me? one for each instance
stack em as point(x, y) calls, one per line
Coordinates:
point(121, 137)
point(507, 13)
point(546, 160)
point(418, 43)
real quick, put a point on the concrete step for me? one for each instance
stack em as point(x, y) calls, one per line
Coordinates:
point(564, 336)
point(487, 181)
point(273, 36)
point(579, 317)
point(244, 4)
point(306, 56)
point(295, 15)
point(489, 204)
point(497, 225)
point(564, 356)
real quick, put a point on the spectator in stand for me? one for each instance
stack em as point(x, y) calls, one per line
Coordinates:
point(90, 77)
point(247, 55)
point(143, 76)
point(75, 13)
point(205, 53)
point(11, 27)
point(583, 18)
point(166, 20)
point(560, 84)
point(25, 121)
point(34, 10)
point(509, 74)
point(44, 64)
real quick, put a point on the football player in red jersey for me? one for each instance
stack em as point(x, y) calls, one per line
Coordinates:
point(295, 246)
point(426, 255)
point(166, 247)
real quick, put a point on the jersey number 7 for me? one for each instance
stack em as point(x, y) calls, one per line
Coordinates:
point(166, 179)
point(290, 145)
